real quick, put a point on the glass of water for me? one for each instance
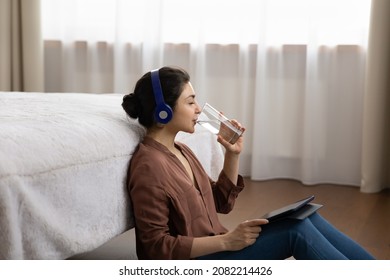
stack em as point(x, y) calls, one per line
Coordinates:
point(218, 124)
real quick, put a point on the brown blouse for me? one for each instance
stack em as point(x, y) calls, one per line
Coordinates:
point(169, 210)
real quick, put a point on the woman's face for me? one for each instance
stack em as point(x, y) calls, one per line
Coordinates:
point(186, 111)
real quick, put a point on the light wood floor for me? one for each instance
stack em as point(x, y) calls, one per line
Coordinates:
point(364, 217)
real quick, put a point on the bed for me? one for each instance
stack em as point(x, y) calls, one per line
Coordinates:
point(63, 164)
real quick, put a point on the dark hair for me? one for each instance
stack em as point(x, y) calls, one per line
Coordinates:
point(141, 104)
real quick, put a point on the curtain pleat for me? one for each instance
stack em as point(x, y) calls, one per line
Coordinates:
point(21, 46)
point(376, 124)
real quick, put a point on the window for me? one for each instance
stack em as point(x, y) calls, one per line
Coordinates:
point(202, 21)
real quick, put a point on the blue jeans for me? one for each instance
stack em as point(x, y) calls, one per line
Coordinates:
point(310, 239)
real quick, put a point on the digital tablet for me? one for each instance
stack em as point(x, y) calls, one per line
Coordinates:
point(287, 210)
point(305, 211)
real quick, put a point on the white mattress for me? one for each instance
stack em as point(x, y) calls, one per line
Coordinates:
point(63, 163)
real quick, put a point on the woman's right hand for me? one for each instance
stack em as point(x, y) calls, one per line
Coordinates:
point(244, 235)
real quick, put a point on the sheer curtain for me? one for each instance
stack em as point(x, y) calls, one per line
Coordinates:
point(292, 71)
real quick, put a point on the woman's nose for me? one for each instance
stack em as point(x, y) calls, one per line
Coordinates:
point(198, 109)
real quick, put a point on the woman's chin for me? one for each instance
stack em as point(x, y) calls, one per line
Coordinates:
point(190, 130)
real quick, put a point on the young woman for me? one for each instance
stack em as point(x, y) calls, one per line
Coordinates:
point(175, 203)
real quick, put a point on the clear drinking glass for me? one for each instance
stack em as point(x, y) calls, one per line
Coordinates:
point(217, 123)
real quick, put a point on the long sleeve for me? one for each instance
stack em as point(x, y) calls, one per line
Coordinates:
point(225, 192)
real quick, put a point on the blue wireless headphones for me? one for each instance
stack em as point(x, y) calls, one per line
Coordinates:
point(163, 112)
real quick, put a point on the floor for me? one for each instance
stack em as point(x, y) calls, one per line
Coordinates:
point(364, 217)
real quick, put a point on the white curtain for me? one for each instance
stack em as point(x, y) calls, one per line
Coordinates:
point(291, 71)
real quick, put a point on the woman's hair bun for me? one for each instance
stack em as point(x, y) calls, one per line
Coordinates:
point(131, 105)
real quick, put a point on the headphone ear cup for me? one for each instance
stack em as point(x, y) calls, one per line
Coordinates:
point(163, 113)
